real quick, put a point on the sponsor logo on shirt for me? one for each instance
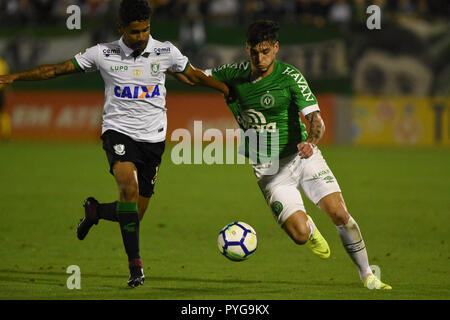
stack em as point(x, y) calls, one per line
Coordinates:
point(159, 51)
point(109, 52)
point(136, 92)
point(241, 65)
point(118, 68)
point(252, 119)
point(301, 82)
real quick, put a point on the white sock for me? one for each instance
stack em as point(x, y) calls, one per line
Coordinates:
point(355, 247)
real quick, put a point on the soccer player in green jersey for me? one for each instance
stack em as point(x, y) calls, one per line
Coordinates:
point(269, 96)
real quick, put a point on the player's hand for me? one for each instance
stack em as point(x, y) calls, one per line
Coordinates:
point(305, 149)
point(7, 79)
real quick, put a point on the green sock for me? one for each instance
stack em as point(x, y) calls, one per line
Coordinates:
point(127, 214)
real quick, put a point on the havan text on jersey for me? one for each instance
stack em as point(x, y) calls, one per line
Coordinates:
point(301, 81)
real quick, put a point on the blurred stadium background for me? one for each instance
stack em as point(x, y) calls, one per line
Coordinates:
point(375, 87)
point(385, 99)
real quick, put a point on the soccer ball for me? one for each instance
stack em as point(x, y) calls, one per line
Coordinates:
point(237, 241)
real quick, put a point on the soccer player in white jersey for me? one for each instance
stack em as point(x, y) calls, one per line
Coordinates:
point(277, 92)
point(134, 118)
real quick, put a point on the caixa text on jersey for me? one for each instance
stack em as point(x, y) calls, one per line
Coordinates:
point(136, 92)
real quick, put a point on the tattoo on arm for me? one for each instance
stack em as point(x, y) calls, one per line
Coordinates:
point(317, 127)
point(48, 71)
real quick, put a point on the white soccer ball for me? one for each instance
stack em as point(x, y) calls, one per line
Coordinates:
point(237, 241)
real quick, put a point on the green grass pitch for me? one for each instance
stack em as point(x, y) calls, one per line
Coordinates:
point(399, 197)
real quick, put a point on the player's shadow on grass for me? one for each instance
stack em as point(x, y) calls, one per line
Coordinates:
point(47, 277)
point(223, 281)
point(42, 278)
point(47, 272)
point(8, 272)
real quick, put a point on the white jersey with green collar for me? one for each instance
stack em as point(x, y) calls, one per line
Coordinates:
point(135, 92)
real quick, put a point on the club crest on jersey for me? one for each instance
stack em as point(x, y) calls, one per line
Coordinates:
point(267, 100)
point(155, 68)
point(277, 207)
point(119, 149)
point(136, 92)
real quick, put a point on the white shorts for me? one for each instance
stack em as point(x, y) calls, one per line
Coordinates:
point(282, 189)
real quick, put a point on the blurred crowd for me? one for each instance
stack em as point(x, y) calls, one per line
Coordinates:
point(228, 12)
point(414, 30)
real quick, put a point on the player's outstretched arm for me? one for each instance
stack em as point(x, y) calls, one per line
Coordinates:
point(196, 76)
point(46, 71)
point(316, 131)
point(180, 77)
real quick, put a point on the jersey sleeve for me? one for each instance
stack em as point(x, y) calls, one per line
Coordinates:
point(180, 62)
point(222, 73)
point(301, 93)
point(87, 61)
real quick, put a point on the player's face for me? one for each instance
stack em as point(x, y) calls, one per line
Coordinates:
point(136, 34)
point(262, 55)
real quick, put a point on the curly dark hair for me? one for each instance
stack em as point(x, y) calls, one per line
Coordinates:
point(134, 10)
point(262, 30)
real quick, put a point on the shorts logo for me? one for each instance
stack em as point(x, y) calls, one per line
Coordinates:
point(320, 174)
point(267, 100)
point(119, 149)
point(277, 207)
point(329, 179)
point(156, 175)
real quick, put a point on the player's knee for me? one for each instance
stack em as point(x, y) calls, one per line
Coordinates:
point(340, 216)
point(129, 191)
point(297, 228)
point(299, 234)
point(300, 238)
